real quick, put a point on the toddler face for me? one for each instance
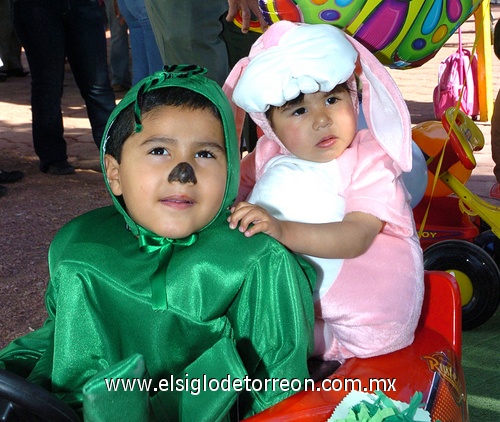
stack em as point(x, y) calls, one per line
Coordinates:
point(317, 128)
point(172, 174)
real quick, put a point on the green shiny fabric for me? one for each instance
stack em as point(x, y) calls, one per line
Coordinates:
point(229, 306)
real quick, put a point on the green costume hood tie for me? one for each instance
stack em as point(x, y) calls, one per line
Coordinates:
point(158, 79)
point(158, 280)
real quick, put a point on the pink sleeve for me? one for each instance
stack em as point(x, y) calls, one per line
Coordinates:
point(247, 176)
point(375, 186)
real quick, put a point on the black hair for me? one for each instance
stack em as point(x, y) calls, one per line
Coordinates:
point(340, 87)
point(124, 125)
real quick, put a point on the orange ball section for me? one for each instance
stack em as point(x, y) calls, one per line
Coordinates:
point(430, 137)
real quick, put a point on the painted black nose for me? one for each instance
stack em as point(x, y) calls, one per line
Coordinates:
point(182, 173)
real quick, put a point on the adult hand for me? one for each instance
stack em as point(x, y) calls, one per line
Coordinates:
point(247, 7)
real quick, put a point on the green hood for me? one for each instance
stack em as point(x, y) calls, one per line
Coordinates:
point(188, 77)
point(191, 78)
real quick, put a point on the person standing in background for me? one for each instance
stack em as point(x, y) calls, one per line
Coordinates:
point(495, 124)
point(8, 176)
point(119, 54)
point(51, 31)
point(146, 58)
point(238, 45)
point(190, 31)
point(10, 46)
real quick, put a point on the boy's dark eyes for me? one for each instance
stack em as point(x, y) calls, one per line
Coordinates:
point(199, 154)
point(159, 151)
point(204, 154)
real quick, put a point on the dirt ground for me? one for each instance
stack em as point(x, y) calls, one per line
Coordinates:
point(30, 215)
point(37, 206)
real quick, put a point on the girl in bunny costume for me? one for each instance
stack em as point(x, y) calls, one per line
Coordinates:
point(328, 191)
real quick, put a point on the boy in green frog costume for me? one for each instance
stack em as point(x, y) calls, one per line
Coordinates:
point(157, 287)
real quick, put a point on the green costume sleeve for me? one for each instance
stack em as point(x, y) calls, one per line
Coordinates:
point(26, 353)
point(273, 317)
point(22, 354)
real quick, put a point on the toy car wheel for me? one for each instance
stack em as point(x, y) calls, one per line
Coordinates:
point(23, 400)
point(476, 273)
point(489, 242)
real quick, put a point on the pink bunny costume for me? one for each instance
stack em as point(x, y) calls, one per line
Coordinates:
point(368, 305)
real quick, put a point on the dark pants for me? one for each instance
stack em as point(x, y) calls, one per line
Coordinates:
point(50, 31)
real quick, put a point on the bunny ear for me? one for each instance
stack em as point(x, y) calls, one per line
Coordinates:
point(228, 88)
point(269, 39)
point(269, 145)
point(384, 107)
point(267, 148)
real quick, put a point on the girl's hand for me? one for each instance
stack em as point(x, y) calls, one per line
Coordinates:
point(246, 214)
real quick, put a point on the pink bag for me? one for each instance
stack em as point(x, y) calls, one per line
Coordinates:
point(455, 72)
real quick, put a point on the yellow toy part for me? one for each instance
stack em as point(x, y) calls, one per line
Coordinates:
point(465, 136)
point(431, 137)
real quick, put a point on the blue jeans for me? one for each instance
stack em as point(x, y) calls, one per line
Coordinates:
point(50, 31)
point(146, 58)
point(119, 51)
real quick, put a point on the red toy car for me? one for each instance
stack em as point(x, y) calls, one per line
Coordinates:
point(431, 365)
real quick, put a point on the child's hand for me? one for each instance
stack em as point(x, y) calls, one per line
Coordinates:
point(246, 214)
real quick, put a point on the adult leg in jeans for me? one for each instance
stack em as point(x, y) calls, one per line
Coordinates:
point(146, 58)
point(119, 54)
point(87, 56)
point(40, 28)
